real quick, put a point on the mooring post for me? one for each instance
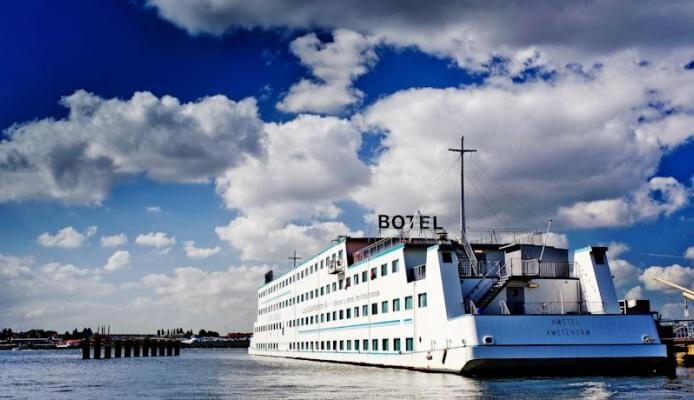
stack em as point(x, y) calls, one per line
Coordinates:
point(177, 348)
point(107, 348)
point(85, 349)
point(136, 348)
point(169, 348)
point(97, 347)
point(145, 347)
point(162, 348)
point(117, 348)
point(155, 349)
point(128, 346)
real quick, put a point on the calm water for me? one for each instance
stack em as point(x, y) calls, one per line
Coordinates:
point(223, 373)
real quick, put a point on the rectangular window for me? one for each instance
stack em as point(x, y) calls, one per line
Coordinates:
point(356, 344)
point(374, 345)
point(322, 318)
point(409, 344)
point(365, 344)
point(348, 282)
point(342, 314)
point(374, 273)
point(355, 278)
point(334, 315)
point(340, 284)
point(422, 300)
point(374, 308)
point(365, 310)
point(446, 257)
point(334, 344)
point(408, 303)
point(349, 313)
point(385, 346)
point(322, 345)
point(311, 293)
point(321, 264)
point(396, 344)
point(334, 286)
point(395, 266)
point(384, 269)
point(327, 288)
point(312, 319)
point(327, 345)
point(384, 306)
point(349, 345)
point(322, 291)
point(342, 344)
point(363, 276)
point(356, 312)
point(327, 316)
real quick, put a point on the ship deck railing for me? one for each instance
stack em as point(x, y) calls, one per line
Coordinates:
point(553, 308)
point(504, 236)
point(385, 244)
point(532, 268)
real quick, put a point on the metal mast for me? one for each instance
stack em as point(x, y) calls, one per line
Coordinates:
point(294, 258)
point(462, 150)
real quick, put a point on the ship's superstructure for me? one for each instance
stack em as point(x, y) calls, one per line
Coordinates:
point(490, 302)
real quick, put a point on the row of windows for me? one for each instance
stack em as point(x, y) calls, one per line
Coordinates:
point(266, 346)
point(384, 307)
point(339, 285)
point(302, 274)
point(354, 345)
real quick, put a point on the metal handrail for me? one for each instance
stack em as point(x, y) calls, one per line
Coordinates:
point(484, 278)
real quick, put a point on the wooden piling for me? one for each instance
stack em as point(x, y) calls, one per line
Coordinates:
point(107, 348)
point(85, 349)
point(136, 348)
point(128, 347)
point(145, 347)
point(97, 347)
point(155, 349)
point(162, 348)
point(169, 348)
point(117, 348)
point(177, 348)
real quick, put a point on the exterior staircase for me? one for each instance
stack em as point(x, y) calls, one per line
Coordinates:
point(493, 291)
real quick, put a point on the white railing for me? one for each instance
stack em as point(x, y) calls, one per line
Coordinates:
point(504, 236)
point(545, 269)
point(555, 307)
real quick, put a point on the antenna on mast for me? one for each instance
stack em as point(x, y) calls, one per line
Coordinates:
point(294, 258)
point(462, 150)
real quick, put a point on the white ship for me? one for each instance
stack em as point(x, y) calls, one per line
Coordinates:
point(490, 303)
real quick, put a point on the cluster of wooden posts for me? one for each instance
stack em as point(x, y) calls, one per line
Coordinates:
point(129, 347)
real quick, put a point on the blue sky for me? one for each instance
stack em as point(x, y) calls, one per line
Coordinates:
point(318, 123)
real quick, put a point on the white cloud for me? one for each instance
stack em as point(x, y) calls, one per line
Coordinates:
point(118, 260)
point(689, 253)
point(638, 206)
point(335, 65)
point(527, 33)
point(287, 198)
point(158, 240)
point(78, 159)
point(153, 209)
point(672, 311)
point(677, 274)
point(67, 237)
point(199, 253)
point(114, 240)
point(635, 293)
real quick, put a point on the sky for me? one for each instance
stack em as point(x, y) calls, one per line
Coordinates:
point(158, 157)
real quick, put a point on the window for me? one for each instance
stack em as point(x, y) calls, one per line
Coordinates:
point(365, 310)
point(396, 344)
point(348, 281)
point(395, 266)
point(384, 269)
point(409, 344)
point(342, 344)
point(374, 345)
point(408, 303)
point(334, 286)
point(321, 264)
point(322, 291)
point(311, 293)
point(356, 344)
point(334, 315)
point(422, 300)
point(385, 345)
point(311, 319)
point(384, 306)
point(363, 276)
point(340, 284)
point(349, 313)
point(327, 345)
point(374, 273)
point(355, 278)
point(322, 318)
point(374, 308)
point(365, 344)
point(349, 345)
point(356, 312)
point(342, 314)
point(327, 316)
point(334, 344)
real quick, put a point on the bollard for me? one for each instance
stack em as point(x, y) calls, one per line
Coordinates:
point(145, 347)
point(117, 348)
point(107, 348)
point(97, 347)
point(128, 346)
point(85, 349)
point(169, 348)
point(136, 349)
point(177, 348)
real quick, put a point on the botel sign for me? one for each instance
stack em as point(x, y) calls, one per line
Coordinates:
point(401, 221)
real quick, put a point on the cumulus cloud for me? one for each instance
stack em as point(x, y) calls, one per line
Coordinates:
point(689, 253)
point(158, 240)
point(67, 237)
point(635, 293)
point(544, 144)
point(624, 274)
point(114, 240)
point(638, 206)
point(287, 198)
point(77, 159)
point(334, 65)
point(672, 311)
point(677, 274)
point(153, 209)
point(118, 260)
point(526, 34)
point(199, 253)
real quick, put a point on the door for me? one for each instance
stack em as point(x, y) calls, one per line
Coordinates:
point(515, 300)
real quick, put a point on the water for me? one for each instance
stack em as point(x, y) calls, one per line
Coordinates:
point(225, 373)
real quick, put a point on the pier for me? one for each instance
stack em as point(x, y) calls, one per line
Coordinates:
point(128, 347)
